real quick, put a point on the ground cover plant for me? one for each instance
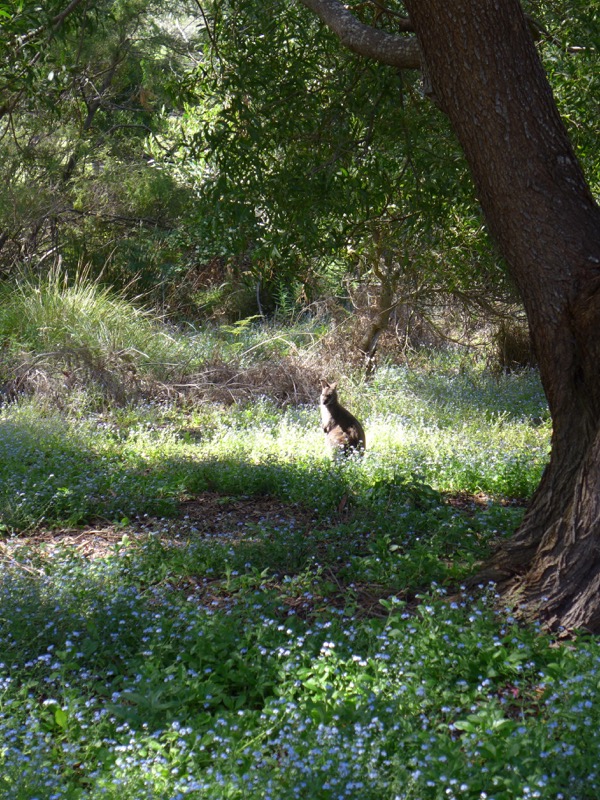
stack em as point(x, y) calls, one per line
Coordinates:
point(195, 601)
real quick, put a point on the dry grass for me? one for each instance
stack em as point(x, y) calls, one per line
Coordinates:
point(285, 381)
point(512, 345)
point(55, 377)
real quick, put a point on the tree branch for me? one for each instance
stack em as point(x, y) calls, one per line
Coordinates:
point(60, 18)
point(401, 21)
point(388, 48)
point(55, 23)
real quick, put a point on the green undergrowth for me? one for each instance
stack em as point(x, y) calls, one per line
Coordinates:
point(269, 623)
point(114, 687)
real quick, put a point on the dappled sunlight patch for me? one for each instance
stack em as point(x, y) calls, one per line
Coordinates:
point(470, 503)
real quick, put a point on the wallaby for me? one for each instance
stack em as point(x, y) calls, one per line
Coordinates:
point(344, 432)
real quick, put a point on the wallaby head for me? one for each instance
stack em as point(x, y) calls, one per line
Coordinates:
point(328, 393)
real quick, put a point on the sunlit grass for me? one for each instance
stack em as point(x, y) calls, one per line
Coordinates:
point(58, 313)
point(55, 311)
point(72, 469)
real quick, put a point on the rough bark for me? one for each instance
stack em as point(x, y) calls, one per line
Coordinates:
point(487, 77)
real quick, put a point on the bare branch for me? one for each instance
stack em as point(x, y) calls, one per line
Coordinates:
point(388, 48)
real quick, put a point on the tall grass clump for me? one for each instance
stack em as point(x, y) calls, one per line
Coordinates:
point(72, 338)
point(55, 313)
point(64, 336)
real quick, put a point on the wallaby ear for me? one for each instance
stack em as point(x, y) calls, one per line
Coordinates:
point(324, 384)
point(333, 386)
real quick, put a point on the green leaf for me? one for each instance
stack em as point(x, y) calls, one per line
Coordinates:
point(60, 717)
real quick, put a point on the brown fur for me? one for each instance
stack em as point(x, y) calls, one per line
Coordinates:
point(343, 431)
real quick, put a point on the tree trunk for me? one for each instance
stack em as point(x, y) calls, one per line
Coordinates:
point(377, 325)
point(487, 77)
point(382, 266)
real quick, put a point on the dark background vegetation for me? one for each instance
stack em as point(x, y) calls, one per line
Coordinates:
point(228, 159)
